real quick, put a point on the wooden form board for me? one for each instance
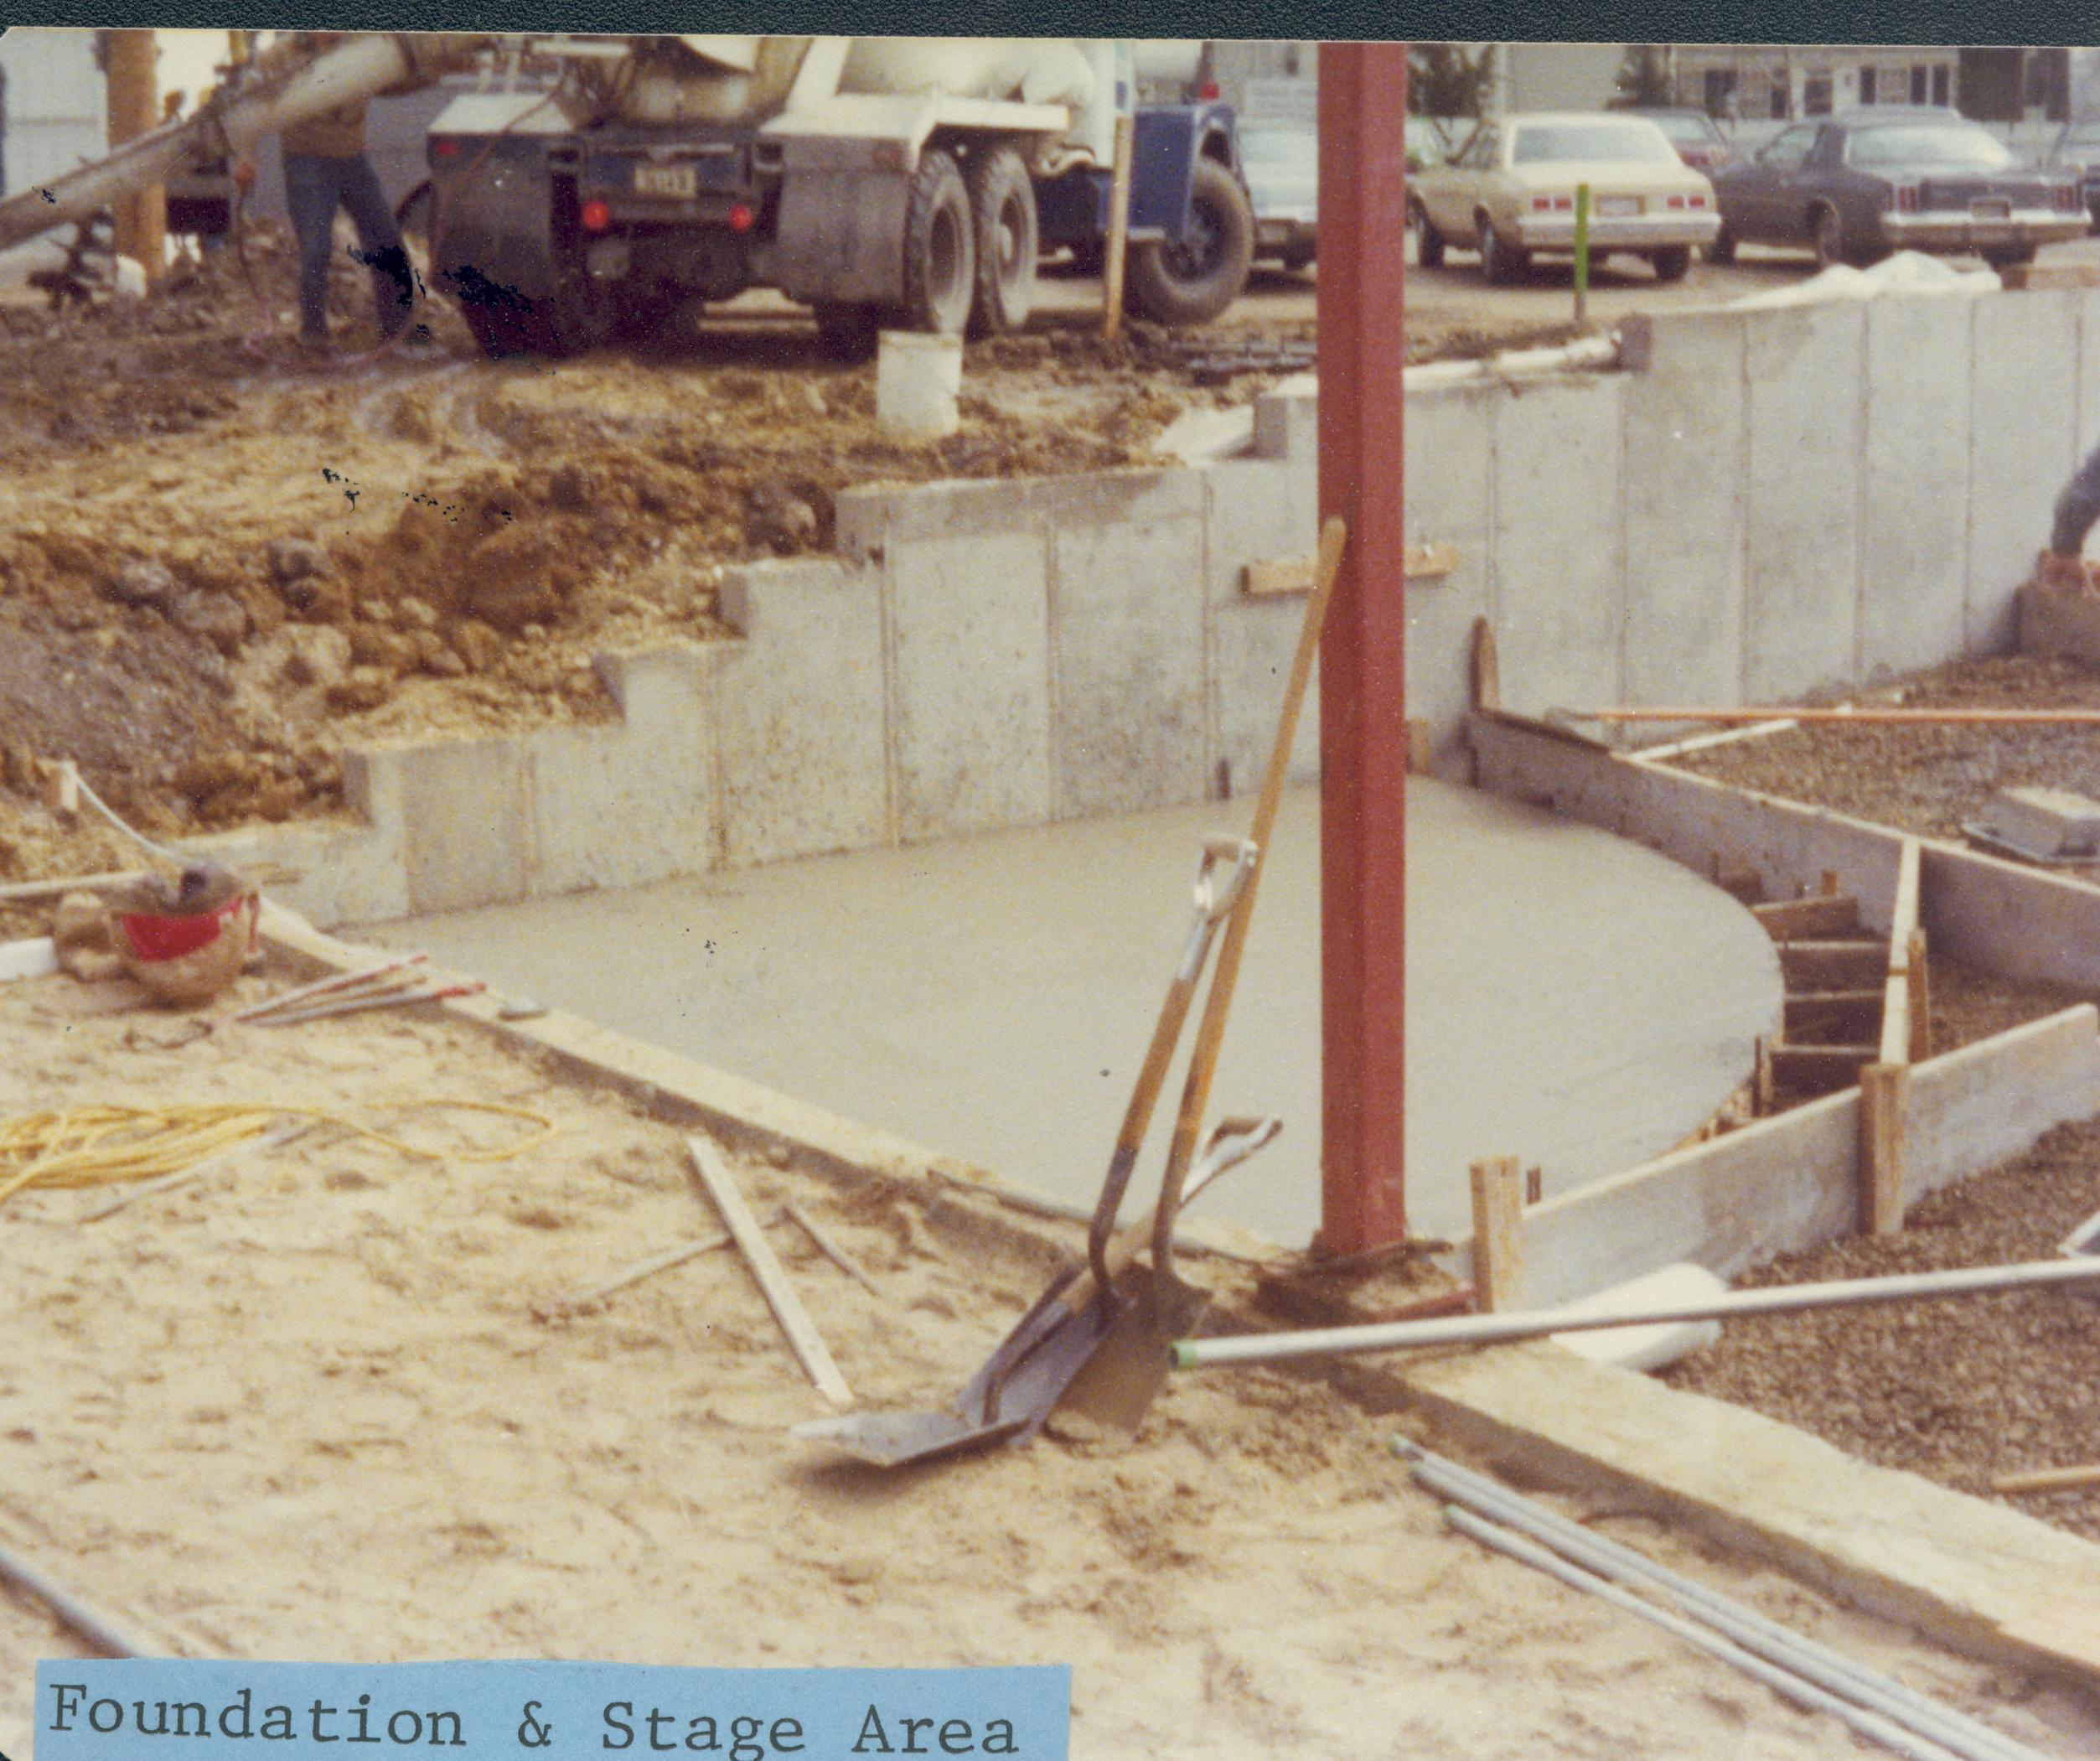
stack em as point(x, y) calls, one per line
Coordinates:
point(1281, 575)
point(1499, 1234)
point(1885, 1085)
point(802, 1337)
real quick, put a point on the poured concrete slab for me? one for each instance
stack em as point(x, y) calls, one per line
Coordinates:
point(1574, 999)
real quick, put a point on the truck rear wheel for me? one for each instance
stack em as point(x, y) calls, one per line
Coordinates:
point(1002, 212)
point(1192, 280)
point(940, 264)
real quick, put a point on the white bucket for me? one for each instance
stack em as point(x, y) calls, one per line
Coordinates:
point(917, 380)
point(1654, 1345)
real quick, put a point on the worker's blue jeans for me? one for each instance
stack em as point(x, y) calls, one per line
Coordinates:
point(314, 189)
point(2077, 508)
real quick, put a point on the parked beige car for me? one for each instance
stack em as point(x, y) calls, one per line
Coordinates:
point(1510, 192)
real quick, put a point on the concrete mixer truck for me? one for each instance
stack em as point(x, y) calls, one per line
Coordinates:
point(908, 183)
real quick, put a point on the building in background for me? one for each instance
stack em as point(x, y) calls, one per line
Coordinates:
point(1781, 82)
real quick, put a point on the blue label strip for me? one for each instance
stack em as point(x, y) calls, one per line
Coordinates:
point(156, 1709)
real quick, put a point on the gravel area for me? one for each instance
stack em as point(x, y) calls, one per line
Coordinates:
point(1928, 780)
point(1958, 1391)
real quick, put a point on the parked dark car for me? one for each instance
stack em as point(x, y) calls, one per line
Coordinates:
point(1854, 186)
point(2075, 153)
point(1695, 135)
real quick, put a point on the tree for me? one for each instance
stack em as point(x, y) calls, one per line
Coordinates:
point(1644, 77)
point(1444, 80)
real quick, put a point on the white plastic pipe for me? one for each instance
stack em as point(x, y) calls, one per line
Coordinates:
point(1494, 1330)
point(1777, 1644)
point(1782, 1682)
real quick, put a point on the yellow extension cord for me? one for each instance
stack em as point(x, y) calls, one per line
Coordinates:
point(106, 1146)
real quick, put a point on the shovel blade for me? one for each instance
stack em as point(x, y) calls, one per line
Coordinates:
point(1126, 1370)
point(895, 1439)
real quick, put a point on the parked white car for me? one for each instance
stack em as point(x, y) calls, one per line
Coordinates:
point(1510, 192)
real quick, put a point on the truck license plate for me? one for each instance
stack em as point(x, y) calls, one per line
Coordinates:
point(679, 183)
point(1991, 211)
point(1616, 207)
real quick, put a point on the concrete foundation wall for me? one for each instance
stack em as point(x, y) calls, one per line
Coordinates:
point(1760, 505)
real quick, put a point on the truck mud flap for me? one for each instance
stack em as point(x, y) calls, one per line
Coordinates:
point(494, 231)
point(839, 236)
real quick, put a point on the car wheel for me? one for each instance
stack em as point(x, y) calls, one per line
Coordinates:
point(1672, 263)
point(1429, 242)
point(1826, 234)
point(1499, 263)
point(1723, 249)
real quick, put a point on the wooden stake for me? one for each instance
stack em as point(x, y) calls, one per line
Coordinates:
point(831, 1250)
point(2047, 1480)
point(807, 1343)
point(1486, 667)
point(1885, 1098)
point(65, 789)
point(1118, 245)
point(1498, 1237)
point(1921, 999)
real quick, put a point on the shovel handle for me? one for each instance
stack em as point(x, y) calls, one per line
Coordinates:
point(1216, 892)
point(1210, 1031)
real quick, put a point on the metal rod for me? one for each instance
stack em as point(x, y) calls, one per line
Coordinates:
point(1779, 1644)
point(322, 987)
point(90, 1623)
point(208, 1164)
point(831, 1250)
point(1868, 716)
point(383, 1000)
point(2085, 1239)
point(1490, 1329)
point(1783, 1682)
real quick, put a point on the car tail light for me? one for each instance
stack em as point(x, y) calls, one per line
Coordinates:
point(740, 218)
point(1542, 205)
point(444, 149)
point(595, 216)
point(1210, 91)
point(1698, 201)
point(1675, 201)
point(1906, 198)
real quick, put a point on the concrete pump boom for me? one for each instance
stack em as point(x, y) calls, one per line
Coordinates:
point(234, 119)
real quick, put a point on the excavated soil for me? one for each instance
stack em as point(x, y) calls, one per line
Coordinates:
point(221, 560)
point(1928, 780)
point(1957, 1391)
point(303, 1407)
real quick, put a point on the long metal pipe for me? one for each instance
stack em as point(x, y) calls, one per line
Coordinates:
point(91, 1623)
point(232, 123)
point(1783, 1682)
point(1777, 1644)
point(1492, 1329)
point(1872, 716)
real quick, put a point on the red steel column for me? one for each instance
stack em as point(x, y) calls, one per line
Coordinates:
point(1363, 707)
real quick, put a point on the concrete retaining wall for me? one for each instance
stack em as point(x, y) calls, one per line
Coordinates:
point(1764, 503)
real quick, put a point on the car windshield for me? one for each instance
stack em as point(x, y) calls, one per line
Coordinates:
point(1928, 143)
point(1691, 131)
point(1545, 143)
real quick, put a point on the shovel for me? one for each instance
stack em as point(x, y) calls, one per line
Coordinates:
point(1153, 1308)
point(1021, 1383)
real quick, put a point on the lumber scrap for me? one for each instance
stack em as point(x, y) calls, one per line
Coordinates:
point(802, 1335)
point(831, 1249)
point(555, 1309)
point(1834, 965)
point(1273, 577)
point(2048, 1479)
point(1818, 918)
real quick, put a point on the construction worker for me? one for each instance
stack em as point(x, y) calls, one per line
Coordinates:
point(2062, 567)
point(325, 169)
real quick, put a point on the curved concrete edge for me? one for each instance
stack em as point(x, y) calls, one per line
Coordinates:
point(1986, 1580)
